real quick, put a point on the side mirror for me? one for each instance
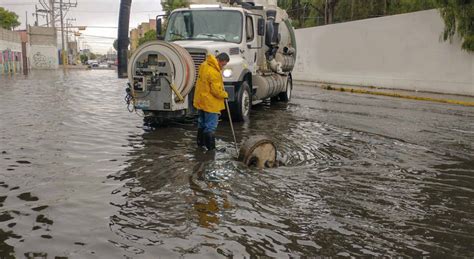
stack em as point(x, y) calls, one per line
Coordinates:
point(261, 27)
point(158, 29)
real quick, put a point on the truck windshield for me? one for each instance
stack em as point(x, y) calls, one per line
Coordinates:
point(216, 25)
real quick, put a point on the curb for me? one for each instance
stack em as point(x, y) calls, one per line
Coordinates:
point(411, 97)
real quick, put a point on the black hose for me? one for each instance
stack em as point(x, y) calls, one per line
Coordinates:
point(123, 41)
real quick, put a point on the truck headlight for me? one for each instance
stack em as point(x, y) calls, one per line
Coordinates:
point(227, 72)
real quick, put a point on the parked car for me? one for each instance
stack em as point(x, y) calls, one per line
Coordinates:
point(92, 63)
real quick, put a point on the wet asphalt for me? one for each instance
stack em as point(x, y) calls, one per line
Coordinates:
point(81, 177)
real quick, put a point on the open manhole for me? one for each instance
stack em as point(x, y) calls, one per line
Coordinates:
point(258, 151)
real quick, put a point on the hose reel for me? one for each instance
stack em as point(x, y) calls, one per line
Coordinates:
point(157, 60)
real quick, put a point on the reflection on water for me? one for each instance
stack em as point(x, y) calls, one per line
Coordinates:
point(362, 177)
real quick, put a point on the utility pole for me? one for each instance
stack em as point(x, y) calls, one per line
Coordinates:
point(62, 7)
point(43, 13)
point(36, 13)
point(62, 33)
point(53, 15)
point(68, 26)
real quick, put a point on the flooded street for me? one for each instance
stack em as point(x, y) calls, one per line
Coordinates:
point(80, 177)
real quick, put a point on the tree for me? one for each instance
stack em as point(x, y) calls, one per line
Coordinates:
point(458, 16)
point(306, 13)
point(115, 45)
point(149, 36)
point(170, 5)
point(8, 20)
point(330, 8)
point(84, 58)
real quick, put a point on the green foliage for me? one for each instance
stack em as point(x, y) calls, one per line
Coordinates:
point(306, 13)
point(407, 6)
point(170, 5)
point(93, 56)
point(149, 36)
point(84, 58)
point(458, 16)
point(115, 45)
point(8, 20)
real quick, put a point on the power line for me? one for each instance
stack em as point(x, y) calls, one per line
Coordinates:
point(93, 26)
point(32, 3)
point(97, 36)
point(98, 43)
point(114, 12)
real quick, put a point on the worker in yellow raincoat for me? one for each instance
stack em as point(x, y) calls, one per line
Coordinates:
point(209, 98)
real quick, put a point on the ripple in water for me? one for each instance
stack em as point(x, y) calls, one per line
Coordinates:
point(89, 181)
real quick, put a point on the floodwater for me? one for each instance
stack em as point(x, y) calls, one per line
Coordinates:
point(80, 177)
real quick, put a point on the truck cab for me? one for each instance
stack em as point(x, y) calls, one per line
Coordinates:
point(258, 38)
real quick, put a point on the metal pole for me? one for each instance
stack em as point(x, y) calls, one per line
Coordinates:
point(67, 41)
point(36, 13)
point(53, 17)
point(231, 126)
point(62, 33)
point(24, 58)
point(122, 37)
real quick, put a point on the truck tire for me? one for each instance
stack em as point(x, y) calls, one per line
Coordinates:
point(286, 96)
point(241, 109)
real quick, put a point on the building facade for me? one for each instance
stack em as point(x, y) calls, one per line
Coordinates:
point(139, 32)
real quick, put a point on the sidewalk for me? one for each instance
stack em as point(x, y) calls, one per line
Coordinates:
point(74, 67)
point(414, 95)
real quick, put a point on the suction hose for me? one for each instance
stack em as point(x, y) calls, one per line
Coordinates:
point(182, 75)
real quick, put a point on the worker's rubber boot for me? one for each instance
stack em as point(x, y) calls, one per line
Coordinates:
point(210, 140)
point(200, 138)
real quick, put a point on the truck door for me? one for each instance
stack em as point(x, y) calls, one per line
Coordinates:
point(250, 50)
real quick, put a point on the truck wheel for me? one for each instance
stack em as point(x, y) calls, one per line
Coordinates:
point(286, 96)
point(241, 109)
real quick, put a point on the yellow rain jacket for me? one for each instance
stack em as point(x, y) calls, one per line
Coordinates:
point(209, 94)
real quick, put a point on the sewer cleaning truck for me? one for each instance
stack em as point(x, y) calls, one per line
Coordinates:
point(256, 34)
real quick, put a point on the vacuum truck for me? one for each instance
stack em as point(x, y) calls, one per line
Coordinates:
point(256, 34)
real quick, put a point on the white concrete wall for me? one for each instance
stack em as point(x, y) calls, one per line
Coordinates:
point(13, 46)
point(43, 51)
point(401, 51)
point(10, 40)
point(43, 57)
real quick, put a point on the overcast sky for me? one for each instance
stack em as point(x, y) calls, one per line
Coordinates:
point(91, 13)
